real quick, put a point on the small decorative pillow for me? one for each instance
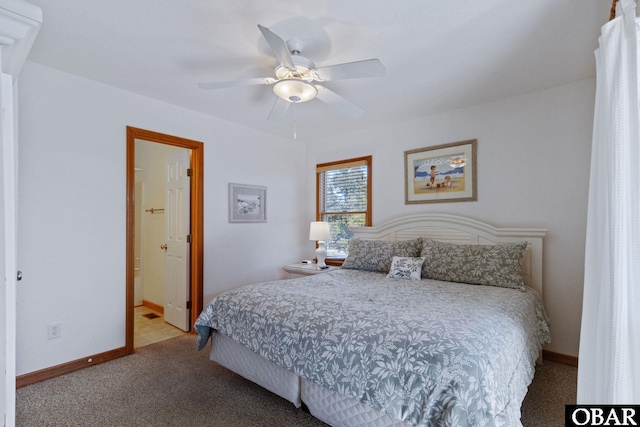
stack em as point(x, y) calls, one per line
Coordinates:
point(495, 265)
point(375, 255)
point(406, 268)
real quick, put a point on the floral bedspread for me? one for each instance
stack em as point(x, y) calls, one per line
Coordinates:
point(427, 352)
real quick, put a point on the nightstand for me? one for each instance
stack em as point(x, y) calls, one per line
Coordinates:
point(300, 269)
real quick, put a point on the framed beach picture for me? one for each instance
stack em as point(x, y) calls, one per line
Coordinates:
point(247, 203)
point(442, 173)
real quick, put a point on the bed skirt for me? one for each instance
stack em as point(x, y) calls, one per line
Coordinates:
point(255, 368)
point(326, 405)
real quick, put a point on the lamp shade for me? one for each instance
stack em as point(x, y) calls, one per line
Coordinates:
point(319, 230)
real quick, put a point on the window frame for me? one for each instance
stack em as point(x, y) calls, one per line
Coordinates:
point(343, 164)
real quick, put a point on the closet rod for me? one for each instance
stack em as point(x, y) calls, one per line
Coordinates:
point(154, 210)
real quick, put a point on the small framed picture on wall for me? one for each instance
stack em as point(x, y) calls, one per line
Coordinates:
point(247, 203)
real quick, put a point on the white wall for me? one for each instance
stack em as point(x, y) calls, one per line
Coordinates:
point(533, 168)
point(72, 206)
point(533, 161)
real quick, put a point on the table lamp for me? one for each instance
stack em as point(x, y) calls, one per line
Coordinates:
point(319, 231)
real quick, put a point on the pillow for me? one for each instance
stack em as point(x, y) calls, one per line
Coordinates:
point(494, 265)
point(375, 255)
point(403, 267)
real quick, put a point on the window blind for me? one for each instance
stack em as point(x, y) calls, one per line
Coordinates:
point(344, 190)
point(343, 200)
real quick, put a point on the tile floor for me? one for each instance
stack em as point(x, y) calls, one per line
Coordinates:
point(149, 331)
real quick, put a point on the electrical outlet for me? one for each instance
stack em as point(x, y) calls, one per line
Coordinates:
point(54, 330)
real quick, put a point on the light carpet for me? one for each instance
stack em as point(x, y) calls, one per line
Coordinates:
point(171, 384)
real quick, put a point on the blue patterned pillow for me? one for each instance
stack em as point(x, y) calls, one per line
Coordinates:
point(376, 255)
point(495, 265)
point(406, 268)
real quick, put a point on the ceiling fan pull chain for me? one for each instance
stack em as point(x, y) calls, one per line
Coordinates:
point(294, 121)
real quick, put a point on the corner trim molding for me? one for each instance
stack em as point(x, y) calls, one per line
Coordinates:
point(20, 22)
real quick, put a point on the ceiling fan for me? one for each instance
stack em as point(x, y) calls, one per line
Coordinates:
point(297, 78)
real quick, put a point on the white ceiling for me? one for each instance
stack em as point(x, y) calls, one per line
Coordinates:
point(439, 55)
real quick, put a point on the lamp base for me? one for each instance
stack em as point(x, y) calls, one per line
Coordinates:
point(321, 254)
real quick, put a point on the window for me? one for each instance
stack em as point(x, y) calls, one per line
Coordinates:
point(343, 191)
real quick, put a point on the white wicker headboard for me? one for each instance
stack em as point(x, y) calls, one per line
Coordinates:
point(462, 230)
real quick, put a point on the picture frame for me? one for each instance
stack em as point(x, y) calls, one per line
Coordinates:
point(442, 173)
point(247, 203)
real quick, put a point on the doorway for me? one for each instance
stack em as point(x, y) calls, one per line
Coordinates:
point(194, 249)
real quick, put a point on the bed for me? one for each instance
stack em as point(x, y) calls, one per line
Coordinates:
point(434, 320)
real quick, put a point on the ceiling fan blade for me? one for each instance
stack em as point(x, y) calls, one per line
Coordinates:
point(351, 70)
point(347, 108)
point(279, 109)
point(234, 83)
point(279, 47)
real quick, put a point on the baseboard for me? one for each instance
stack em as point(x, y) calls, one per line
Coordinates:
point(65, 368)
point(153, 306)
point(565, 359)
point(76, 365)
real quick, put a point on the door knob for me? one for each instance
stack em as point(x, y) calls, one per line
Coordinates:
point(19, 277)
point(164, 246)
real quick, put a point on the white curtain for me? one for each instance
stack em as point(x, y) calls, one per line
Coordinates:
point(609, 359)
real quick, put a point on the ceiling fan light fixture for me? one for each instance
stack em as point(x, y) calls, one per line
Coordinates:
point(295, 90)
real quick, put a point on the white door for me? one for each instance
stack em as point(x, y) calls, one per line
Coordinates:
point(21, 22)
point(8, 252)
point(177, 228)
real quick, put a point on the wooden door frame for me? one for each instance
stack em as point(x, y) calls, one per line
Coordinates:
point(197, 222)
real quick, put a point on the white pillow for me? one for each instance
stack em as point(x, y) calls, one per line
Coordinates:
point(406, 267)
